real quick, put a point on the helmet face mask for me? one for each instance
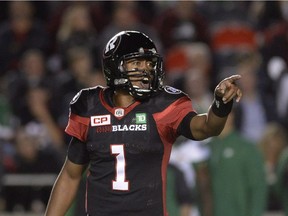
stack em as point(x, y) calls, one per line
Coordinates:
point(129, 45)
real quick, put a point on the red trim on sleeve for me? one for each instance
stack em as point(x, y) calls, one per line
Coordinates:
point(78, 127)
point(168, 120)
point(165, 161)
point(82, 120)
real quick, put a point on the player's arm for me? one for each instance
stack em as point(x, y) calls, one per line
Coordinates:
point(64, 189)
point(212, 123)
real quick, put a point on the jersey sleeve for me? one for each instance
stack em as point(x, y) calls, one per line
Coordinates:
point(77, 152)
point(180, 112)
point(78, 123)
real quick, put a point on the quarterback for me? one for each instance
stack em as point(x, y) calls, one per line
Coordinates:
point(123, 133)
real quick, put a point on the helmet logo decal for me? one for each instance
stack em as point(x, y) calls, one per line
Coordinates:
point(111, 45)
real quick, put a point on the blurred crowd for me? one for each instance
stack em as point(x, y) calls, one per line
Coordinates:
point(50, 50)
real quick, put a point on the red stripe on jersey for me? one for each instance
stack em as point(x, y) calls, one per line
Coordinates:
point(78, 126)
point(167, 122)
point(165, 161)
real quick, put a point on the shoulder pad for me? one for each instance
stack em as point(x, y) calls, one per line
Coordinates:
point(80, 103)
point(165, 97)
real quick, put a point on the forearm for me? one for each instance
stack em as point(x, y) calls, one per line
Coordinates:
point(214, 123)
point(209, 124)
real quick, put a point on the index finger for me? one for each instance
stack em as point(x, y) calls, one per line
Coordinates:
point(234, 78)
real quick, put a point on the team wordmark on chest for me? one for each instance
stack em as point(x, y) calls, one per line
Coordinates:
point(103, 124)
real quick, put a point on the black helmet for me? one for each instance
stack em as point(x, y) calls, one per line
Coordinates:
point(127, 45)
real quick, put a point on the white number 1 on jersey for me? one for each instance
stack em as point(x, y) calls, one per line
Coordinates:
point(120, 182)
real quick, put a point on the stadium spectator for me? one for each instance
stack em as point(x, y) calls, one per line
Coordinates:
point(181, 21)
point(19, 33)
point(186, 57)
point(253, 113)
point(179, 197)
point(237, 174)
point(32, 100)
point(125, 16)
point(274, 146)
point(76, 30)
point(31, 158)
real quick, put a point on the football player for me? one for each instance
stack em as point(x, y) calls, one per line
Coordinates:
point(123, 133)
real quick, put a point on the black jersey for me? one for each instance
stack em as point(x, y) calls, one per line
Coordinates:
point(128, 149)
